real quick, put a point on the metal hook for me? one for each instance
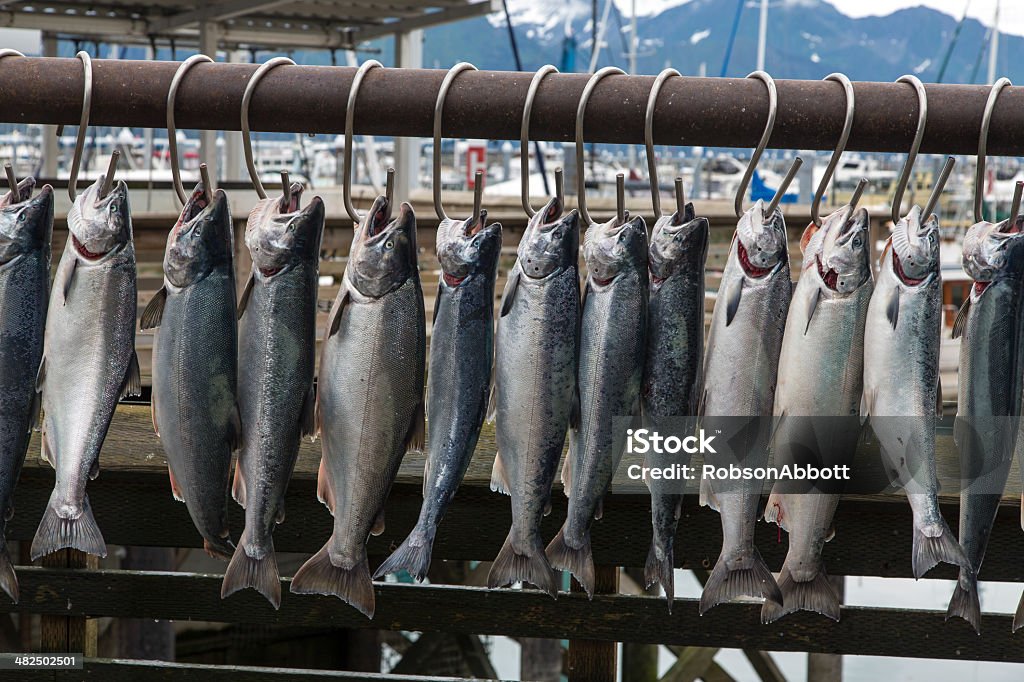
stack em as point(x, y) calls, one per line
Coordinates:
point(986, 120)
point(621, 214)
point(172, 132)
point(286, 188)
point(908, 166)
point(680, 198)
point(652, 162)
point(947, 168)
point(784, 185)
point(12, 179)
point(83, 124)
point(560, 186)
point(250, 88)
point(1018, 190)
point(108, 177)
point(350, 108)
point(844, 137)
point(581, 109)
point(442, 94)
point(773, 110)
point(524, 136)
point(857, 193)
point(389, 187)
point(478, 192)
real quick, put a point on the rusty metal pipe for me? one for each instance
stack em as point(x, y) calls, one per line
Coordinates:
point(728, 112)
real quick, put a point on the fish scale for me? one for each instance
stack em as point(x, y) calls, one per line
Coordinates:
point(24, 283)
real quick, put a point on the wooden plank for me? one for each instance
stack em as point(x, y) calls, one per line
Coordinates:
point(692, 663)
point(121, 670)
point(133, 506)
point(594, 660)
point(68, 633)
point(523, 613)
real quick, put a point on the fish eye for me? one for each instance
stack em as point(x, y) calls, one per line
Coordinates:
point(857, 242)
point(389, 244)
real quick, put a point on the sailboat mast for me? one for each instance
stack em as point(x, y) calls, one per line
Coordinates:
point(993, 53)
point(762, 35)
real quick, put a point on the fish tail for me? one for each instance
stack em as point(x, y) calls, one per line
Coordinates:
point(413, 554)
point(511, 566)
point(815, 595)
point(354, 586)
point(660, 572)
point(930, 551)
point(577, 560)
point(965, 602)
point(8, 580)
point(727, 584)
point(257, 572)
point(56, 532)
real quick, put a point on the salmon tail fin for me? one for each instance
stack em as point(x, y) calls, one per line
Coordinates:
point(259, 573)
point(817, 595)
point(1018, 618)
point(660, 572)
point(727, 584)
point(352, 585)
point(532, 567)
point(413, 555)
point(577, 560)
point(79, 533)
point(930, 551)
point(8, 580)
point(965, 602)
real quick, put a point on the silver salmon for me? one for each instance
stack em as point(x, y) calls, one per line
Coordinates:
point(820, 376)
point(673, 381)
point(989, 400)
point(902, 338)
point(534, 392)
point(370, 405)
point(26, 225)
point(89, 361)
point(277, 342)
point(613, 330)
point(459, 376)
point(740, 370)
point(195, 364)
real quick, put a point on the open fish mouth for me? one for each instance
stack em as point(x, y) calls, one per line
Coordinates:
point(376, 223)
point(85, 252)
point(897, 267)
point(830, 277)
point(748, 267)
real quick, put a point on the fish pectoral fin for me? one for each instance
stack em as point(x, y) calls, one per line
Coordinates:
point(805, 238)
point(307, 418)
point(175, 488)
point(246, 292)
point(892, 309)
point(324, 492)
point(132, 386)
point(416, 438)
point(152, 413)
point(509, 295)
point(499, 478)
point(732, 300)
point(492, 401)
point(235, 430)
point(66, 274)
point(961, 318)
point(154, 312)
point(238, 483)
point(378, 523)
point(45, 452)
point(938, 396)
point(334, 324)
point(426, 475)
point(41, 375)
point(707, 494)
point(811, 307)
point(437, 301)
point(567, 465)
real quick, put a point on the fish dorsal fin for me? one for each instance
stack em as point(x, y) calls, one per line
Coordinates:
point(66, 275)
point(132, 386)
point(732, 300)
point(892, 309)
point(499, 477)
point(806, 237)
point(238, 483)
point(378, 523)
point(960, 321)
point(154, 312)
point(343, 300)
point(243, 302)
point(509, 296)
point(175, 488)
point(812, 306)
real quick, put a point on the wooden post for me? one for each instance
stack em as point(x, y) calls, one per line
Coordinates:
point(66, 634)
point(593, 661)
point(827, 667)
point(144, 638)
point(540, 659)
point(639, 661)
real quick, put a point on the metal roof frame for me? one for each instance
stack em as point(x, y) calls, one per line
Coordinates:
point(313, 24)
